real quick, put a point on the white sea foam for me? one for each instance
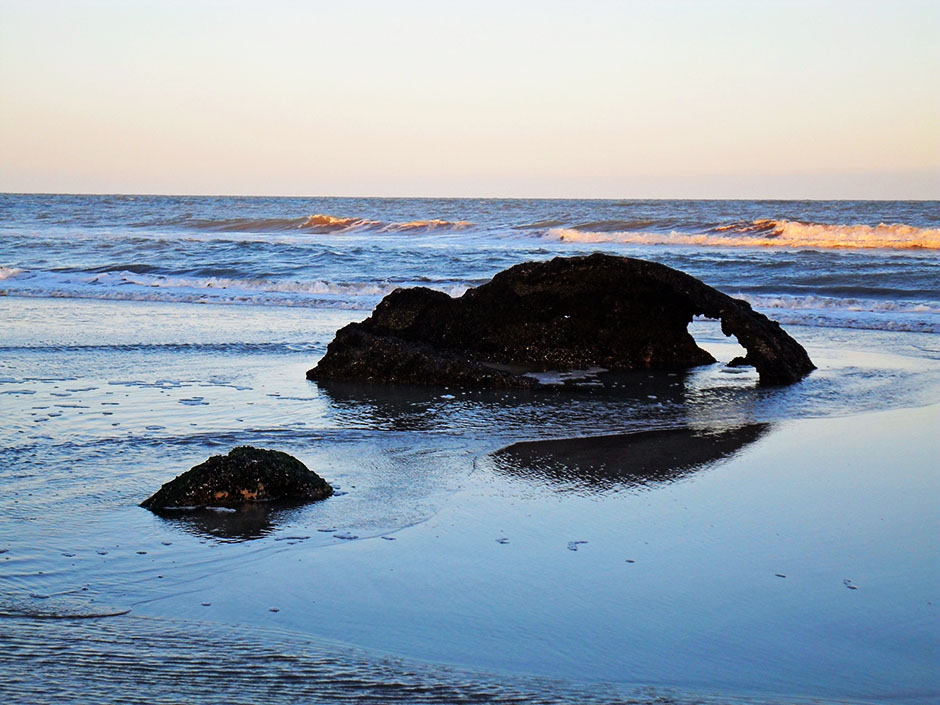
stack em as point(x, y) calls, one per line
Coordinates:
point(856, 311)
point(800, 303)
point(124, 285)
point(773, 233)
point(868, 314)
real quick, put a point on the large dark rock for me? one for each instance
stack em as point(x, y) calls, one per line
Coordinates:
point(243, 476)
point(569, 313)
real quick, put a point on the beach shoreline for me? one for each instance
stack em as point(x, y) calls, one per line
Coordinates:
point(433, 552)
point(795, 561)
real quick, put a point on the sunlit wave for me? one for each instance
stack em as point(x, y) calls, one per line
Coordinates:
point(774, 233)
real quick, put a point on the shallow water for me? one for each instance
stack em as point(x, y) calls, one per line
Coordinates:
point(797, 561)
point(436, 551)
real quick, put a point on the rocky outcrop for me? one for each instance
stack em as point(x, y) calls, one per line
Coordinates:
point(245, 475)
point(569, 313)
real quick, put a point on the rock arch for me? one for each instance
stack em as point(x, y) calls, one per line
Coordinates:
point(567, 313)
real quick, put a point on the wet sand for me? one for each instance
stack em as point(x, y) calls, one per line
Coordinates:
point(804, 565)
point(749, 545)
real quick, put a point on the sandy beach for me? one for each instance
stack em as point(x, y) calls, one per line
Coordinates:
point(743, 550)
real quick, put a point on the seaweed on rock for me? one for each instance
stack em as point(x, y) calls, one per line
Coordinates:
point(244, 476)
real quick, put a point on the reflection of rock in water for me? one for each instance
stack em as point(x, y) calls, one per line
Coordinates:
point(416, 408)
point(249, 521)
point(402, 408)
point(601, 405)
point(603, 463)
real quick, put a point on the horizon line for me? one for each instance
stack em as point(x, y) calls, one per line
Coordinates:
point(458, 198)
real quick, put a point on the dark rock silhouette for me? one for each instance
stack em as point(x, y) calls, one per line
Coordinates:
point(568, 313)
point(243, 476)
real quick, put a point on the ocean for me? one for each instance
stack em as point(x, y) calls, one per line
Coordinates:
point(142, 334)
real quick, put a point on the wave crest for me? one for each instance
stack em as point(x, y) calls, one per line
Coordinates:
point(426, 226)
point(317, 223)
point(322, 223)
point(775, 233)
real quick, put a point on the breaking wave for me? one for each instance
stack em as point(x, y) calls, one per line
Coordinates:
point(426, 226)
point(331, 223)
point(316, 223)
point(771, 233)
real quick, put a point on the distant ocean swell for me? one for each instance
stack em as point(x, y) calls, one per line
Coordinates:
point(660, 231)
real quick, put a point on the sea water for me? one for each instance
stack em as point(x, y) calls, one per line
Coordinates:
point(142, 334)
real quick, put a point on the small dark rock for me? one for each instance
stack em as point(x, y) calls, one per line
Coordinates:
point(243, 476)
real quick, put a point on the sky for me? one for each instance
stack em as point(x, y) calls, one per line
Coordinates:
point(628, 99)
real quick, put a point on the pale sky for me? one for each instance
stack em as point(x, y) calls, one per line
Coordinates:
point(641, 99)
